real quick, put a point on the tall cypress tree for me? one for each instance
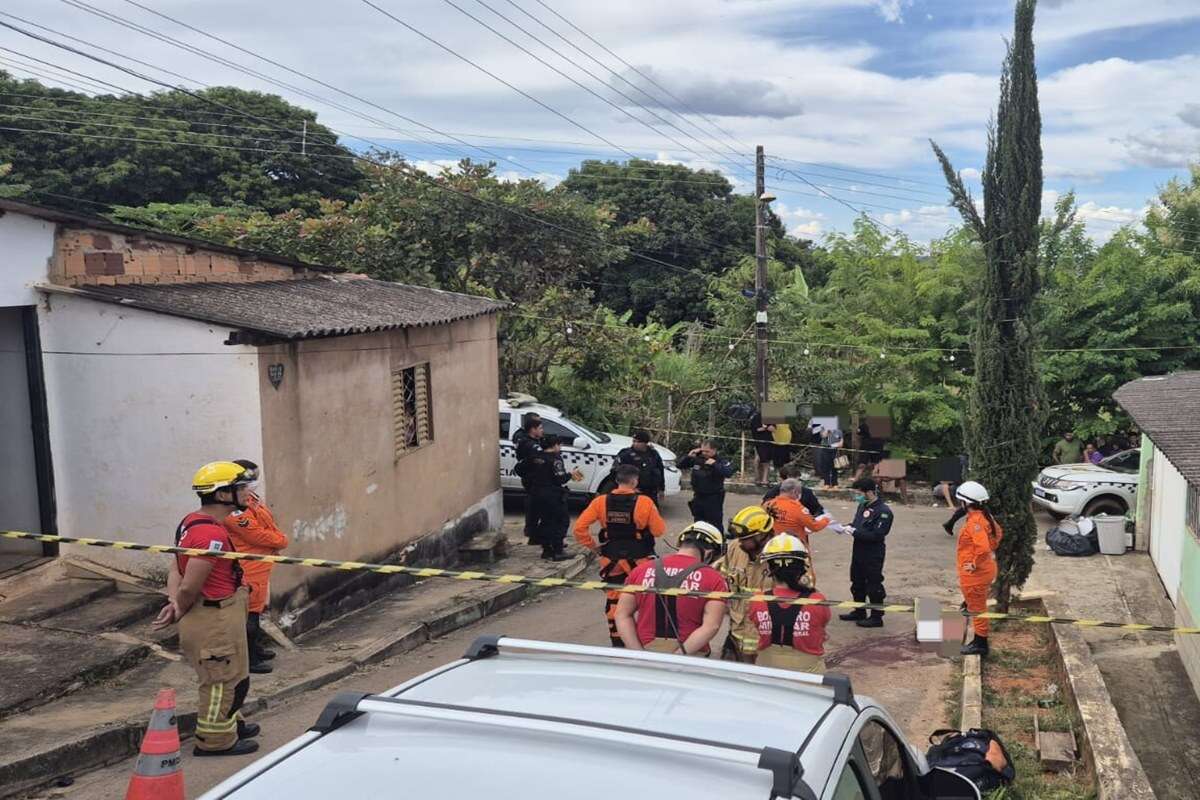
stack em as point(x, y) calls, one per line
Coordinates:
point(1005, 409)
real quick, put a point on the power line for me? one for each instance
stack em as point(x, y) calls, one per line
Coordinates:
point(45, 78)
point(853, 171)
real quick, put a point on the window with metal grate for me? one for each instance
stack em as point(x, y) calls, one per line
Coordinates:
point(412, 408)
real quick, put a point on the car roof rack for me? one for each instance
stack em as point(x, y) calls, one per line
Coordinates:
point(489, 645)
point(787, 772)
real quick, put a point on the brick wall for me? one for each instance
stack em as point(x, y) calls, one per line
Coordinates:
point(88, 257)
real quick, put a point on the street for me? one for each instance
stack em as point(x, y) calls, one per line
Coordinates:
point(884, 664)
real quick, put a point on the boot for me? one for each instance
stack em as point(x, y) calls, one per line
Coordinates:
point(873, 621)
point(261, 668)
point(948, 527)
point(853, 616)
point(248, 730)
point(560, 555)
point(976, 647)
point(242, 747)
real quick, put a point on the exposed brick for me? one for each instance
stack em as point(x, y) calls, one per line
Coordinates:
point(224, 265)
point(101, 241)
point(73, 263)
point(104, 280)
point(95, 264)
point(127, 279)
point(135, 263)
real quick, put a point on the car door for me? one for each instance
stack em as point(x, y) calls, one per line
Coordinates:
point(508, 451)
point(584, 459)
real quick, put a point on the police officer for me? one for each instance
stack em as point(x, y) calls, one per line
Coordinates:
point(629, 524)
point(528, 441)
point(206, 597)
point(741, 566)
point(548, 479)
point(651, 477)
point(709, 472)
point(870, 528)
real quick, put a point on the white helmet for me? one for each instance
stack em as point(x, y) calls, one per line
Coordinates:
point(972, 492)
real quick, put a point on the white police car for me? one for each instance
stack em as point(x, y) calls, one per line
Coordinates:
point(516, 719)
point(591, 452)
point(1110, 487)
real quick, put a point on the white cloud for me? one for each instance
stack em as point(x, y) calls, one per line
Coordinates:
point(893, 10)
point(970, 174)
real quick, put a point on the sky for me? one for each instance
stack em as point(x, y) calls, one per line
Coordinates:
point(844, 95)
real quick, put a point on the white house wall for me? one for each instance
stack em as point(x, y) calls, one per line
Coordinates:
point(26, 245)
point(137, 401)
point(1167, 522)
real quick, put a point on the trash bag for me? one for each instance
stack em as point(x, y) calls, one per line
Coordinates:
point(976, 754)
point(1075, 536)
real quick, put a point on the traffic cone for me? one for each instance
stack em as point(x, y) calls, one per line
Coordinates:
point(158, 774)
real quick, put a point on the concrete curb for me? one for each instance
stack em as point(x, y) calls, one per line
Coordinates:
point(971, 710)
point(121, 739)
point(1104, 744)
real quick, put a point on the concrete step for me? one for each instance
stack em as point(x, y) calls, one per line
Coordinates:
point(55, 598)
point(486, 548)
point(38, 665)
point(107, 613)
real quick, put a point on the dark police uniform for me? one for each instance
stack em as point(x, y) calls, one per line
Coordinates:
point(526, 446)
point(548, 479)
point(708, 487)
point(872, 522)
point(651, 477)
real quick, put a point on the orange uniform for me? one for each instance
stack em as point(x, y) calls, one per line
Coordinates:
point(792, 517)
point(977, 543)
point(253, 530)
point(627, 534)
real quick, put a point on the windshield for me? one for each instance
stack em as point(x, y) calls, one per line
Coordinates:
point(1126, 461)
point(599, 437)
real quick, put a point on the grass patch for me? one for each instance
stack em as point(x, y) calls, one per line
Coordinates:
point(1021, 677)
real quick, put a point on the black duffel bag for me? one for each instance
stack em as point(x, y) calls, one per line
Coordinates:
point(1074, 537)
point(966, 752)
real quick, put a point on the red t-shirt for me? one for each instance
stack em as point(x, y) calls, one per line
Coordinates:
point(205, 533)
point(689, 610)
point(808, 629)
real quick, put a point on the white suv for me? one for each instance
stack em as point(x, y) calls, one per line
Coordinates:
point(592, 453)
point(1110, 487)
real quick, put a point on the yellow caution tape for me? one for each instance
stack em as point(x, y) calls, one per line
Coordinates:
point(593, 586)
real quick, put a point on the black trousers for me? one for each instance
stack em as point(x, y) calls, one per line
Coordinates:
point(550, 509)
point(254, 636)
point(866, 576)
point(709, 508)
point(531, 514)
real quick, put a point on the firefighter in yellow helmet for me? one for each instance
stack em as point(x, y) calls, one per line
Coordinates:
point(745, 571)
point(208, 600)
point(790, 636)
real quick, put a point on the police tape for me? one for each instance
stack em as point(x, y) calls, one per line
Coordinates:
point(566, 583)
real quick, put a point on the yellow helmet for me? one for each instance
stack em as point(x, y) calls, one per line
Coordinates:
point(784, 547)
point(217, 475)
point(705, 535)
point(751, 521)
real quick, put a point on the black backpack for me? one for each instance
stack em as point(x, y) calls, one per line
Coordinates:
point(965, 752)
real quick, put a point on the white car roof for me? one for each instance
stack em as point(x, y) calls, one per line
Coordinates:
point(559, 720)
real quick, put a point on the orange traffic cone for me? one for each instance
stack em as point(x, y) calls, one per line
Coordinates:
point(158, 774)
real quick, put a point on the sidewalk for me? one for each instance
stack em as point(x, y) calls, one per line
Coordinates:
point(1150, 690)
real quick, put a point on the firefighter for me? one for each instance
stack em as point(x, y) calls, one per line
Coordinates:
point(745, 572)
point(629, 524)
point(977, 543)
point(683, 625)
point(207, 599)
point(253, 530)
point(870, 528)
point(651, 474)
point(528, 440)
point(790, 636)
point(709, 472)
point(548, 479)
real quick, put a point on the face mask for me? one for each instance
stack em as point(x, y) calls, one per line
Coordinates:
point(860, 498)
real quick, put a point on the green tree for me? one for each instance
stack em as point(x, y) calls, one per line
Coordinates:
point(1003, 423)
point(222, 146)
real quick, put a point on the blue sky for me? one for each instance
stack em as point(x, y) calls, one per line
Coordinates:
point(848, 87)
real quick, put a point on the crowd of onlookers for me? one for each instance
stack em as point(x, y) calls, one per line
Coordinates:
point(1070, 449)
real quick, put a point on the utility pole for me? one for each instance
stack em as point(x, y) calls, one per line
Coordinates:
point(760, 274)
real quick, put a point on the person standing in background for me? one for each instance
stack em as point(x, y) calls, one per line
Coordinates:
point(548, 479)
point(781, 435)
point(764, 448)
point(642, 455)
point(1068, 450)
point(831, 440)
point(709, 471)
point(528, 441)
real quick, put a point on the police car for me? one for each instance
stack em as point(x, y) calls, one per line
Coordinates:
point(524, 719)
point(1110, 487)
point(591, 452)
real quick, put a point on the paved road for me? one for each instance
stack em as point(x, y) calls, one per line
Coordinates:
point(884, 663)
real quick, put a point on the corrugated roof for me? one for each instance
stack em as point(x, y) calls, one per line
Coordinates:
point(302, 309)
point(1167, 409)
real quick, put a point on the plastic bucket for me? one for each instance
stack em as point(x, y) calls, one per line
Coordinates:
point(1110, 530)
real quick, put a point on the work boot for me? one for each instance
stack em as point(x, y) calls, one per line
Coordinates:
point(853, 616)
point(263, 654)
point(242, 747)
point(261, 668)
point(560, 556)
point(948, 527)
point(872, 621)
point(248, 730)
point(976, 647)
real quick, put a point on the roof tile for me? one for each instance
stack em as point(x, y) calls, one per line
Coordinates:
point(1167, 409)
